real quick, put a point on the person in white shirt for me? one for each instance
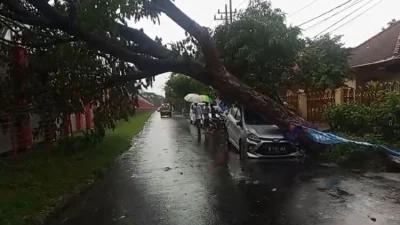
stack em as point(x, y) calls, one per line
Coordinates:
point(197, 114)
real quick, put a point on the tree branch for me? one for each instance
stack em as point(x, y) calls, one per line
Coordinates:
point(134, 76)
point(146, 44)
point(201, 34)
point(100, 43)
point(23, 16)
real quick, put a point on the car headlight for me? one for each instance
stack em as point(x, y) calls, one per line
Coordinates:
point(253, 137)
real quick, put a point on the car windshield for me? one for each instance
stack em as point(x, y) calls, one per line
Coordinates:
point(253, 118)
point(165, 106)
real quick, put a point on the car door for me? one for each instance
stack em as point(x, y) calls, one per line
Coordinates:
point(230, 120)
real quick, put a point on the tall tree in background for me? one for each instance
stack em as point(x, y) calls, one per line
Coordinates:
point(258, 47)
point(321, 64)
point(179, 85)
point(270, 56)
point(153, 98)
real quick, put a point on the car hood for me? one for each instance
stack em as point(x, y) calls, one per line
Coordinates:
point(266, 131)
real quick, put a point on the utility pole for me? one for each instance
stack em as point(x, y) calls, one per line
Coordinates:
point(227, 15)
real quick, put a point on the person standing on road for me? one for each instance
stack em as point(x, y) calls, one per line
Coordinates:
point(206, 117)
point(213, 111)
point(197, 115)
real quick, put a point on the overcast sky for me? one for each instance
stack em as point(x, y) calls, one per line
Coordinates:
point(354, 33)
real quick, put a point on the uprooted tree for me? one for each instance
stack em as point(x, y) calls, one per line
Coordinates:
point(102, 27)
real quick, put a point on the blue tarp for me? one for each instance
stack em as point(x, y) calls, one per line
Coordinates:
point(223, 106)
point(331, 139)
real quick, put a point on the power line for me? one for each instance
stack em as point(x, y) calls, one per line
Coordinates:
point(362, 13)
point(343, 18)
point(308, 5)
point(323, 14)
point(353, 4)
point(241, 3)
point(228, 13)
point(212, 21)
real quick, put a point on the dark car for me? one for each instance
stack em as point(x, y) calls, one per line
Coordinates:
point(165, 110)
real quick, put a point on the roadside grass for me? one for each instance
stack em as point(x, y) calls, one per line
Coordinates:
point(36, 184)
point(355, 156)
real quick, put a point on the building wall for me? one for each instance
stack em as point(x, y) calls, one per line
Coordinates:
point(381, 75)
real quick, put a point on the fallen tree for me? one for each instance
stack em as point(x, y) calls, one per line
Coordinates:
point(149, 57)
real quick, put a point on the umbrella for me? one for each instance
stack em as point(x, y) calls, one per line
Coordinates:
point(206, 98)
point(193, 98)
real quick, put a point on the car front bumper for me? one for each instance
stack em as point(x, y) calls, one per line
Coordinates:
point(258, 150)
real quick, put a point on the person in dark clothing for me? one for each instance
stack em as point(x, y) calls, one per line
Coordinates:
point(213, 112)
point(206, 117)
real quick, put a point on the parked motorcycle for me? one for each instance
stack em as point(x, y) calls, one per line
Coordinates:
point(218, 123)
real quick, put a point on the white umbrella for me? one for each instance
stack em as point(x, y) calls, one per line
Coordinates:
point(193, 98)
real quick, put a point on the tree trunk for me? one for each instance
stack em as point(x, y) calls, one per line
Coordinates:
point(236, 91)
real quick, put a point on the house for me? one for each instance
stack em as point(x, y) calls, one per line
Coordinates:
point(378, 58)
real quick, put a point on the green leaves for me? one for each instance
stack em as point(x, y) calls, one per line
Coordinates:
point(323, 63)
point(258, 47)
point(379, 118)
point(178, 86)
point(101, 15)
point(261, 50)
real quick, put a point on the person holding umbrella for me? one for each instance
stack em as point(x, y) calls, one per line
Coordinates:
point(197, 113)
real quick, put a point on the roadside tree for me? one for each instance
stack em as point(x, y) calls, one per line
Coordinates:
point(102, 27)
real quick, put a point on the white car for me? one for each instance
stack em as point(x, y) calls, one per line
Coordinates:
point(250, 134)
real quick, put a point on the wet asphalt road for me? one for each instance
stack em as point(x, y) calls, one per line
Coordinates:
point(172, 177)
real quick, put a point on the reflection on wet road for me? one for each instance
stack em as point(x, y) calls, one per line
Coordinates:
point(171, 177)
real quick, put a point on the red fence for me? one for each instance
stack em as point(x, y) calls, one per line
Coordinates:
point(14, 138)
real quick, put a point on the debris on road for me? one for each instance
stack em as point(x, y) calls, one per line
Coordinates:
point(120, 218)
point(372, 218)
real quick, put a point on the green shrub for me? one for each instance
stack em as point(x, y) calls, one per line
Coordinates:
point(353, 118)
point(355, 156)
point(387, 116)
point(381, 119)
